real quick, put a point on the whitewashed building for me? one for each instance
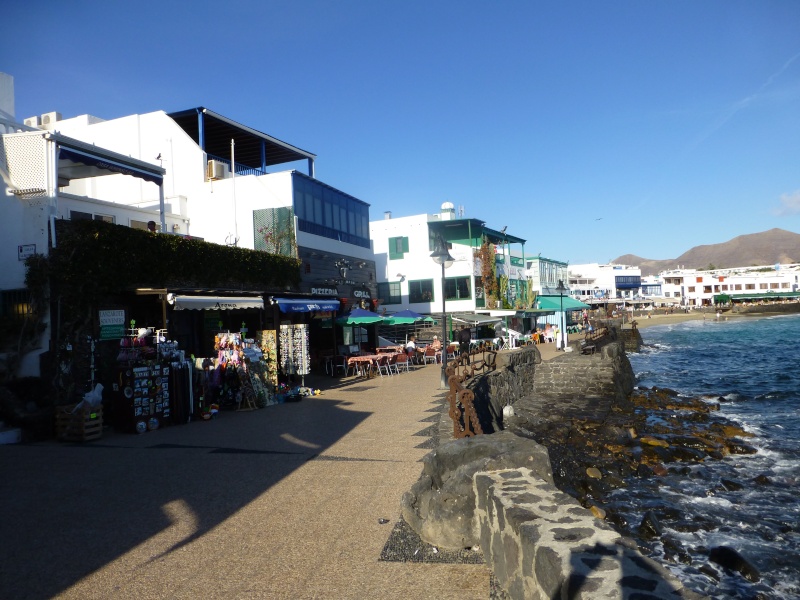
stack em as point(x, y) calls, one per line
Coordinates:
point(596, 283)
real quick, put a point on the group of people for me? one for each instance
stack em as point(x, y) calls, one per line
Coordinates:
point(464, 338)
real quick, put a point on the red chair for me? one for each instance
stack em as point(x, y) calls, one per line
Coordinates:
point(401, 362)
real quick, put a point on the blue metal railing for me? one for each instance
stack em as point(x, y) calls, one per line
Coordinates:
point(240, 168)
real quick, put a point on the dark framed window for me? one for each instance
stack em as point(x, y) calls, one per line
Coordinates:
point(398, 246)
point(457, 288)
point(420, 290)
point(390, 292)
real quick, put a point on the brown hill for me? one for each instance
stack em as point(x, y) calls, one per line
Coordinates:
point(766, 248)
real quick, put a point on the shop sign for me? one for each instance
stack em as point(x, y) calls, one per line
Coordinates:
point(112, 332)
point(112, 324)
point(364, 294)
point(324, 291)
point(25, 250)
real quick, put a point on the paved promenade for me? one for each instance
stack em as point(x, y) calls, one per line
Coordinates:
point(283, 502)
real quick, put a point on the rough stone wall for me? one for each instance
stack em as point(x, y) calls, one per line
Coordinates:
point(513, 378)
point(541, 544)
point(605, 374)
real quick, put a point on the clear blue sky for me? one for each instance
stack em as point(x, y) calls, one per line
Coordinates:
point(592, 129)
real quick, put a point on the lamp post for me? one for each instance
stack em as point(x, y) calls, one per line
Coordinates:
point(441, 256)
point(562, 327)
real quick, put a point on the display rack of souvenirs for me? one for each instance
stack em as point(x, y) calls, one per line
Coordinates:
point(153, 384)
point(267, 341)
point(295, 359)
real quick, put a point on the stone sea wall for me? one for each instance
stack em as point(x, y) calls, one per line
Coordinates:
point(498, 490)
point(541, 544)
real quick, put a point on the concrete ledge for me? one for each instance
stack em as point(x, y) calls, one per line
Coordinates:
point(541, 545)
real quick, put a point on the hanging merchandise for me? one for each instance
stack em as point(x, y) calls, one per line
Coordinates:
point(294, 350)
point(268, 343)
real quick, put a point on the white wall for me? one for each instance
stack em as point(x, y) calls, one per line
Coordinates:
point(417, 262)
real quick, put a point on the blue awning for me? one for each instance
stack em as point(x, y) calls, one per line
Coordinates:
point(104, 165)
point(294, 305)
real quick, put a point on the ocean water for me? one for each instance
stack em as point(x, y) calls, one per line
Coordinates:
point(752, 366)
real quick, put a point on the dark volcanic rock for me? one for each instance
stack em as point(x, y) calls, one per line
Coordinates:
point(728, 558)
point(650, 528)
point(440, 506)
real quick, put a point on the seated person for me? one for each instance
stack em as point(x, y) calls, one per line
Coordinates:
point(436, 344)
point(411, 346)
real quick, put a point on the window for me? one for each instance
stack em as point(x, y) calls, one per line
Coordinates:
point(749, 286)
point(773, 286)
point(143, 225)
point(420, 290)
point(706, 289)
point(77, 215)
point(691, 289)
point(457, 288)
point(397, 247)
point(327, 212)
point(666, 294)
point(738, 286)
point(762, 286)
point(390, 292)
point(677, 294)
point(784, 284)
point(724, 288)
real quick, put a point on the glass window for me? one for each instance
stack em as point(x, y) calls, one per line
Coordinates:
point(420, 290)
point(390, 292)
point(76, 215)
point(318, 211)
point(457, 288)
point(328, 215)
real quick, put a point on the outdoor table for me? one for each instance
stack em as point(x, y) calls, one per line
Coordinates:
point(389, 349)
point(364, 359)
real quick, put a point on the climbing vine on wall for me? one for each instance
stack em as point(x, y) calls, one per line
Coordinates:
point(488, 271)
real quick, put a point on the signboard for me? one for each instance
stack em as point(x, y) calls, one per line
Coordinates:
point(112, 324)
point(25, 250)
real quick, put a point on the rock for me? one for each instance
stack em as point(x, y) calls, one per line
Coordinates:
point(674, 550)
point(650, 528)
point(660, 470)
point(728, 558)
point(739, 447)
point(440, 506)
point(762, 480)
point(598, 512)
point(644, 471)
point(731, 485)
point(710, 571)
point(594, 473)
point(650, 441)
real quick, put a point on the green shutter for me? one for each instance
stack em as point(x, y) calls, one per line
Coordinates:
point(405, 244)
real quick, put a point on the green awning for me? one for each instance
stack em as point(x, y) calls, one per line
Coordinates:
point(532, 313)
point(555, 303)
point(722, 299)
point(770, 295)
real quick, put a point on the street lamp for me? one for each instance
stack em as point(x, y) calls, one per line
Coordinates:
point(562, 328)
point(441, 256)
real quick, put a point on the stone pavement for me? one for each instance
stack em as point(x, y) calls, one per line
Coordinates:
point(283, 502)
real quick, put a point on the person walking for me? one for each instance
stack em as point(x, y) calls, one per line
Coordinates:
point(464, 339)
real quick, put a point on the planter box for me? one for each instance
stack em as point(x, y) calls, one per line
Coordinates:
point(83, 425)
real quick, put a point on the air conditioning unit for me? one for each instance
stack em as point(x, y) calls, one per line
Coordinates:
point(216, 170)
point(32, 121)
point(50, 118)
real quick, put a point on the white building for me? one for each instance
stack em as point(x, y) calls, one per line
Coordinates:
point(596, 283)
point(742, 284)
point(172, 173)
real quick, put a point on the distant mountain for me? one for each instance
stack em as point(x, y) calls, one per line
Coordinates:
point(755, 249)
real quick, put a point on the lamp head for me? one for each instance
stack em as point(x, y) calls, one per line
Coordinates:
point(441, 255)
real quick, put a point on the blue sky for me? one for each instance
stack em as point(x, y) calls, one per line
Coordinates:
point(592, 129)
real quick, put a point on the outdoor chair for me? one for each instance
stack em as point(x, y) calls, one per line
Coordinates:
point(382, 365)
point(392, 364)
point(401, 362)
point(429, 356)
point(338, 365)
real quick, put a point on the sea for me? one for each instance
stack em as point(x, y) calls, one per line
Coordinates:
point(751, 366)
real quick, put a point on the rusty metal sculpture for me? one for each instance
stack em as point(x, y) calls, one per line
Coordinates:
point(460, 398)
